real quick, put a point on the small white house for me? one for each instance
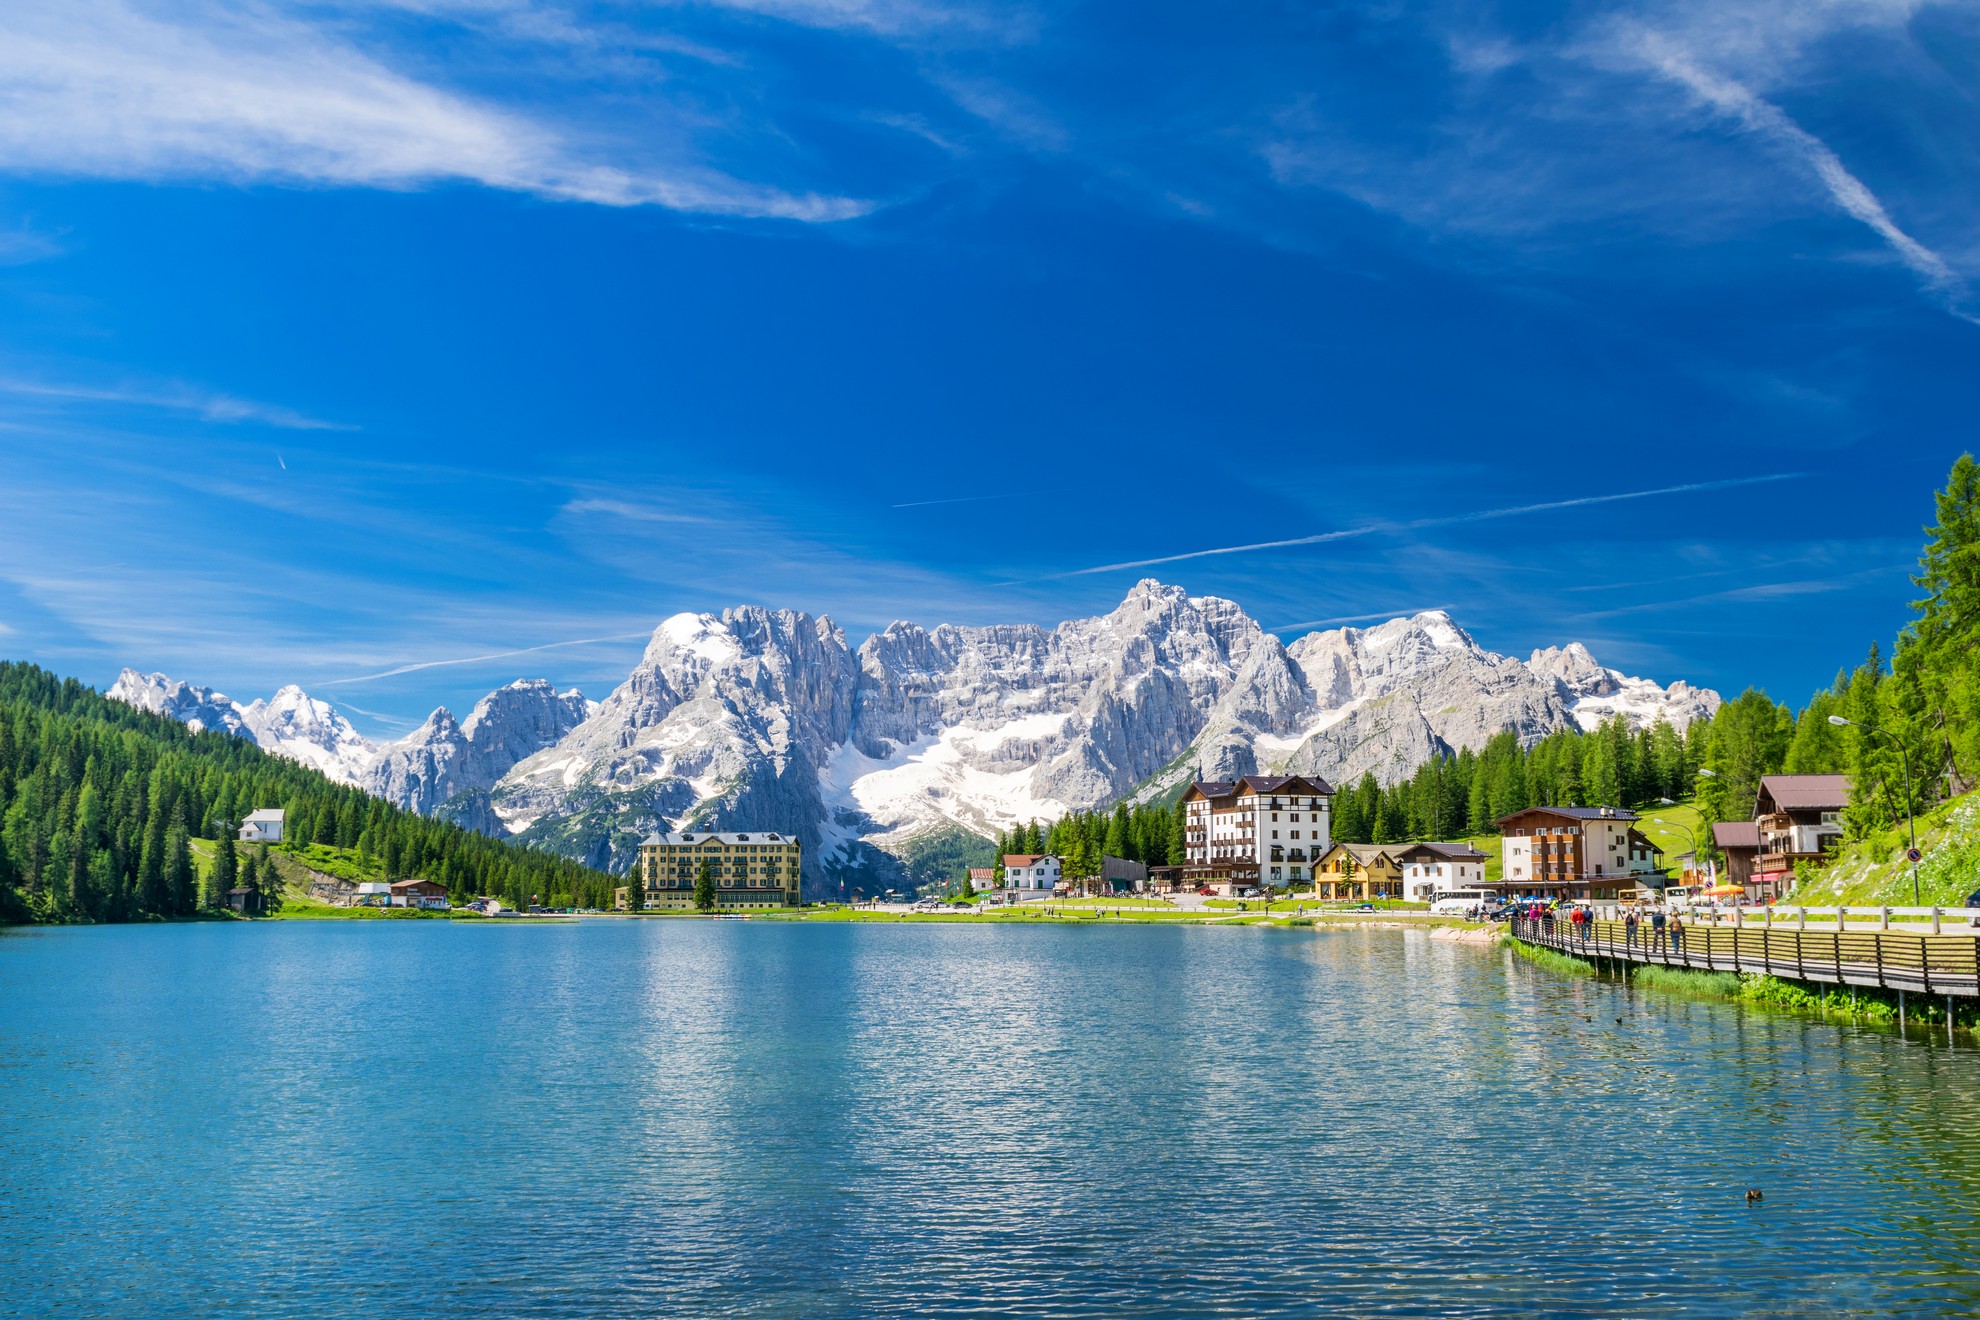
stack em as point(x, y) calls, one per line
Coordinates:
point(1430, 867)
point(1031, 875)
point(264, 826)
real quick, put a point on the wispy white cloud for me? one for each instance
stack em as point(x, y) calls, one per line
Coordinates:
point(102, 88)
point(959, 499)
point(204, 404)
point(1419, 524)
point(22, 245)
point(419, 665)
point(1340, 619)
point(1754, 114)
point(1759, 591)
point(633, 511)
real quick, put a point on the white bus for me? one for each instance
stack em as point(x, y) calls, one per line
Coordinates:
point(1457, 902)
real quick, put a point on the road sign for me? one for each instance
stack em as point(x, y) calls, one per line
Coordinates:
point(1912, 854)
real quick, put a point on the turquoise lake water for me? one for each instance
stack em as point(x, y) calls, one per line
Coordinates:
point(729, 1118)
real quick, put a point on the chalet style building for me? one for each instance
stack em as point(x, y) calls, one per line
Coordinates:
point(1795, 819)
point(263, 826)
point(1430, 867)
point(751, 870)
point(1359, 871)
point(1573, 852)
point(1256, 831)
point(1031, 875)
point(1739, 840)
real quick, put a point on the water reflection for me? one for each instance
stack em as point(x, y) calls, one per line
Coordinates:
point(754, 1119)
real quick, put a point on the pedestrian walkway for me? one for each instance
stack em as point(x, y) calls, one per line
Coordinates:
point(1888, 960)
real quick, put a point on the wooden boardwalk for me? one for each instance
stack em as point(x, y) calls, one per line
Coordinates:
point(1924, 964)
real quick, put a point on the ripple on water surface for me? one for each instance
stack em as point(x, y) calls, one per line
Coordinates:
point(725, 1118)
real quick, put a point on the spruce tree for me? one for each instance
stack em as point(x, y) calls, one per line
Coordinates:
point(181, 878)
point(704, 887)
point(1116, 843)
point(226, 871)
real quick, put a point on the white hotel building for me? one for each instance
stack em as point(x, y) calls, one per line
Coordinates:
point(1254, 831)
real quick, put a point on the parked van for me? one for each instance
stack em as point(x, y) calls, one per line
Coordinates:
point(1457, 902)
point(1679, 896)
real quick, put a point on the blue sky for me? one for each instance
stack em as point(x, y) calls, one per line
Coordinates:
point(337, 338)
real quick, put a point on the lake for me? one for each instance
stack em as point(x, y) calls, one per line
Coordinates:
point(749, 1118)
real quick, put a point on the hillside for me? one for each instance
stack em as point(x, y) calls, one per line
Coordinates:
point(1873, 872)
point(110, 813)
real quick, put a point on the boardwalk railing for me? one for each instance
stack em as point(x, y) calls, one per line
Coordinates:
point(1930, 964)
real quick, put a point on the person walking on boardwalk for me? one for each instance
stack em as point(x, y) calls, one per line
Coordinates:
point(1657, 931)
point(1677, 933)
point(1629, 929)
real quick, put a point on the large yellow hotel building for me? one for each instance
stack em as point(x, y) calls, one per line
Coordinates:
point(755, 869)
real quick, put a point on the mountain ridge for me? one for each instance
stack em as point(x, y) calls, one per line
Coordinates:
point(760, 718)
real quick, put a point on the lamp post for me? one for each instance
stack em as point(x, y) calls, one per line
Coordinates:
point(1910, 822)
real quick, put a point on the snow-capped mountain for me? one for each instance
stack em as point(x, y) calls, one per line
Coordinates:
point(440, 760)
point(291, 723)
point(444, 758)
point(198, 708)
point(770, 719)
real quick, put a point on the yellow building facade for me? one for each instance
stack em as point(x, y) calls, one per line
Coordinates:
point(752, 870)
point(1361, 871)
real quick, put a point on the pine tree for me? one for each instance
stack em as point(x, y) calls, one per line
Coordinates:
point(181, 878)
point(704, 887)
point(1116, 843)
point(225, 874)
point(250, 880)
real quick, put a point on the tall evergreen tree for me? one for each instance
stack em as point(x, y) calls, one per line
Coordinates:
point(225, 873)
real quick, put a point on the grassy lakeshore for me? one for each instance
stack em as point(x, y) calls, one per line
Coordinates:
point(1850, 1003)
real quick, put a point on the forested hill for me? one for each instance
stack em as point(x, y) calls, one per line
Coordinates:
point(99, 802)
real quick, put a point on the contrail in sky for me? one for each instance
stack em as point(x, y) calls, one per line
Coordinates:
point(476, 659)
point(1415, 524)
point(1357, 618)
point(960, 499)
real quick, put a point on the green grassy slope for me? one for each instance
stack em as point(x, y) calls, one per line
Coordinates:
point(1872, 872)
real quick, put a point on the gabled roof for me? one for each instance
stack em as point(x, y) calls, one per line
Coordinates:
point(1802, 793)
point(1364, 854)
point(1736, 834)
point(1574, 813)
point(713, 836)
point(268, 814)
point(1026, 859)
point(416, 880)
point(1217, 790)
point(1455, 852)
point(1302, 785)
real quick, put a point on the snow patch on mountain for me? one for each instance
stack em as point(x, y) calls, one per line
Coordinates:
point(441, 759)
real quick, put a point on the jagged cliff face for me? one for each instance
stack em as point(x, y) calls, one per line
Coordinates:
point(441, 760)
point(761, 719)
point(770, 719)
point(445, 758)
point(291, 723)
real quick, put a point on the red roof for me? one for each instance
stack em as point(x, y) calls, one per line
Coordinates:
point(1012, 860)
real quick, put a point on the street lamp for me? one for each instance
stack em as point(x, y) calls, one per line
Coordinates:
point(1910, 822)
point(1685, 830)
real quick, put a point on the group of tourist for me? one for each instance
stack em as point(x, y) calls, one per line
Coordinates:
point(1655, 929)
